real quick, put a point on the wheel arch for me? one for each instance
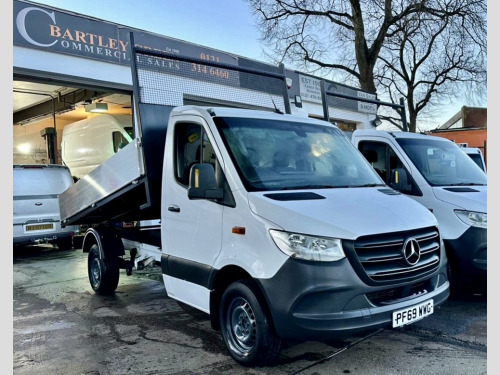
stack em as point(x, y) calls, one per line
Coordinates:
point(108, 242)
point(220, 280)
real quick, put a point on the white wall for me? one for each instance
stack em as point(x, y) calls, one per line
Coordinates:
point(362, 120)
point(75, 69)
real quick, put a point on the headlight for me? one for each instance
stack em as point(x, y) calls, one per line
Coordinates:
point(304, 247)
point(474, 219)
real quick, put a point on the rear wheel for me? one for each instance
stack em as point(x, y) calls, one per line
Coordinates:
point(246, 326)
point(104, 273)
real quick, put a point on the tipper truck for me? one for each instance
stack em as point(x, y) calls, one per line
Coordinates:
point(273, 224)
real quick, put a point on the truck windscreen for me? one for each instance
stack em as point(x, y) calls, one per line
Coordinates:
point(288, 155)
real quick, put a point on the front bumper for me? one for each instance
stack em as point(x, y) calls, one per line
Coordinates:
point(325, 301)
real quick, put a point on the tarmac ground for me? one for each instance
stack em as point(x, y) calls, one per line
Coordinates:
point(60, 326)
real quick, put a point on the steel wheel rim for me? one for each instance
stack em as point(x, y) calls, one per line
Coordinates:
point(95, 268)
point(241, 325)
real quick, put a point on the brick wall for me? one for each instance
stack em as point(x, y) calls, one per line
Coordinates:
point(473, 138)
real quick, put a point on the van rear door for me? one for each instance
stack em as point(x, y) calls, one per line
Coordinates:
point(35, 196)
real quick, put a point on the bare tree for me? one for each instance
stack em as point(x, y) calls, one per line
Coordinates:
point(343, 39)
point(435, 57)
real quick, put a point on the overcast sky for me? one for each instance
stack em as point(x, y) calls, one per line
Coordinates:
point(226, 25)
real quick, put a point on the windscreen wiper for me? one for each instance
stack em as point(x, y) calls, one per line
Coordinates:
point(466, 184)
point(368, 185)
point(301, 187)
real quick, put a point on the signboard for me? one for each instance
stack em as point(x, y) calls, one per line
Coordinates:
point(43, 28)
point(310, 91)
point(46, 29)
point(367, 107)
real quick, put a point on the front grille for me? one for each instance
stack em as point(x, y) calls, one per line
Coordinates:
point(381, 256)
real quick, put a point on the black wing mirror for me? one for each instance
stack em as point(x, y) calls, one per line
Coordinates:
point(399, 180)
point(202, 183)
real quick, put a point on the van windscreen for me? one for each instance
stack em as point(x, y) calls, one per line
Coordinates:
point(40, 181)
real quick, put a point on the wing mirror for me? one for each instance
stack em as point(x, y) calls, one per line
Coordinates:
point(399, 180)
point(202, 183)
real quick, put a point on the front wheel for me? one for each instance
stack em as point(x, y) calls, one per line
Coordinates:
point(104, 273)
point(246, 327)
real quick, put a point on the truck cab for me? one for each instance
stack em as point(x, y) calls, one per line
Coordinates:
point(438, 174)
point(284, 211)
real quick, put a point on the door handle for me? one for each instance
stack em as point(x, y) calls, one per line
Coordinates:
point(174, 209)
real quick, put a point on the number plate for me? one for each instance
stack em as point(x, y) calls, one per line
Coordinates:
point(412, 314)
point(33, 227)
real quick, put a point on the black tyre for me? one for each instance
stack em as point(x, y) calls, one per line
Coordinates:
point(246, 326)
point(456, 284)
point(459, 287)
point(104, 273)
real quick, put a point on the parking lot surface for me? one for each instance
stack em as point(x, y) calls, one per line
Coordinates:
point(60, 326)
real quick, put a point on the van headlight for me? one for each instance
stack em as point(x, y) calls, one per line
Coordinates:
point(300, 246)
point(474, 219)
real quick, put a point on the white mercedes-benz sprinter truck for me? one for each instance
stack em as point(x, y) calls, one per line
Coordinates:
point(272, 224)
point(277, 227)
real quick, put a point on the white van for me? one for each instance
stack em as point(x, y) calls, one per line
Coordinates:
point(36, 213)
point(436, 172)
point(87, 143)
point(476, 155)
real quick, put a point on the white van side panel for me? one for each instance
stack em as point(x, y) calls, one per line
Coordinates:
point(88, 143)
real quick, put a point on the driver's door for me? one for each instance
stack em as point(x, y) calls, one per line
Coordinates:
point(192, 228)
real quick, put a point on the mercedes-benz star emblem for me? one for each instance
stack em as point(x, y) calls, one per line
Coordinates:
point(411, 251)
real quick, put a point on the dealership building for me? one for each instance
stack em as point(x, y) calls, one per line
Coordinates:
point(64, 63)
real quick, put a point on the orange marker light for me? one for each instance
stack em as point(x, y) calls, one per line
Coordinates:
point(239, 230)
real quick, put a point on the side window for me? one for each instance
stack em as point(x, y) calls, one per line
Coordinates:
point(375, 153)
point(119, 141)
point(389, 166)
point(187, 150)
point(192, 146)
point(400, 178)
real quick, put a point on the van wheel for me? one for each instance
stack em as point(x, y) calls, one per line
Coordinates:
point(246, 327)
point(103, 273)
